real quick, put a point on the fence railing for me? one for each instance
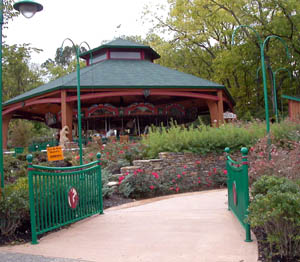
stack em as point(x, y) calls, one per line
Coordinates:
point(63, 195)
point(238, 189)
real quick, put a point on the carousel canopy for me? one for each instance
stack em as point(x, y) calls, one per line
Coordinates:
point(110, 68)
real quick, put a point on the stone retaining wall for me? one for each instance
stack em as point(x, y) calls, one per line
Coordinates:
point(172, 162)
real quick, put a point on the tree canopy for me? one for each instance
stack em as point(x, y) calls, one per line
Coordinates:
point(196, 37)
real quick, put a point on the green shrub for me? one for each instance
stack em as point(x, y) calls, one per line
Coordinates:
point(144, 184)
point(275, 208)
point(106, 190)
point(14, 206)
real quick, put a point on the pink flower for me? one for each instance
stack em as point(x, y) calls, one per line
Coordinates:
point(183, 173)
point(177, 189)
point(91, 154)
point(209, 173)
point(151, 187)
point(215, 170)
point(197, 162)
point(171, 188)
point(77, 157)
point(135, 172)
point(155, 175)
point(121, 152)
point(126, 174)
point(184, 166)
point(179, 176)
point(173, 180)
point(225, 172)
point(261, 153)
point(139, 170)
point(121, 178)
point(251, 149)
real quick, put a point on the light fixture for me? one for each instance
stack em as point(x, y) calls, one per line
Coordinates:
point(28, 8)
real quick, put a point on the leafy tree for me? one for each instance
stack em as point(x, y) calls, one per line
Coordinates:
point(200, 33)
point(19, 75)
point(63, 63)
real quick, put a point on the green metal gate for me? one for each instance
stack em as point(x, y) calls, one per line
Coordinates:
point(238, 189)
point(63, 195)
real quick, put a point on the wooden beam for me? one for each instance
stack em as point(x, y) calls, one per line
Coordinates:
point(66, 113)
point(220, 107)
point(5, 124)
point(213, 110)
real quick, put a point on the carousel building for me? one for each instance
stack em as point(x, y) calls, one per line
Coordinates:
point(120, 88)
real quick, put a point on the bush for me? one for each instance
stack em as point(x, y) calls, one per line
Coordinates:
point(275, 209)
point(14, 206)
point(144, 184)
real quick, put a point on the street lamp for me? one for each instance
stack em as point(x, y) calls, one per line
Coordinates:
point(274, 86)
point(28, 9)
point(77, 50)
point(262, 45)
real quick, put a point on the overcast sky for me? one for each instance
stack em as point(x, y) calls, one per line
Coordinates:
point(81, 20)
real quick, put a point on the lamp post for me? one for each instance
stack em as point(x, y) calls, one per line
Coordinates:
point(77, 49)
point(28, 8)
point(262, 45)
point(274, 86)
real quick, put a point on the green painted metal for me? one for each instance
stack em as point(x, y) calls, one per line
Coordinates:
point(238, 189)
point(262, 45)
point(54, 204)
point(17, 5)
point(1, 142)
point(18, 150)
point(294, 98)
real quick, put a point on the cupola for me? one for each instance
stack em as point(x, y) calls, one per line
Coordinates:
point(119, 49)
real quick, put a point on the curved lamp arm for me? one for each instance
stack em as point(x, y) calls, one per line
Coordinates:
point(249, 27)
point(283, 69)
point(84, 42)
point(74, 46)
point(281, 40)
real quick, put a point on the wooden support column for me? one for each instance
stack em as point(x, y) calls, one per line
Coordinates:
point(220, 107)
point(66, 113)
point(5, 123)
point(213, 110)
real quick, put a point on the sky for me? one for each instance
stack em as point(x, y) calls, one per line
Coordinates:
point(92, 21)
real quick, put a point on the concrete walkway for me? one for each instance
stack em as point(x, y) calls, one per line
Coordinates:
point(195, 227)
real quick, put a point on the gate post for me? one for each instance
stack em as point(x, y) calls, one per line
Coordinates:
point(100, 182)
point(245, 178)
point(31, 201)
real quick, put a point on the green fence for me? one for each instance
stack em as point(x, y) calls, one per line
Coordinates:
point(238, 189)
point(63, 195)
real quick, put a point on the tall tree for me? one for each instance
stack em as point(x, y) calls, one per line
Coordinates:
point(201, 32)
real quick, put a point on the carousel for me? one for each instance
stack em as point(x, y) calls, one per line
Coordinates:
point(121, 89)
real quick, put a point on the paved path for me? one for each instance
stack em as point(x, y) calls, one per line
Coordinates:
point(194, 227)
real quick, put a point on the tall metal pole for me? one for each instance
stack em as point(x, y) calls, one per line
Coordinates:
point(275, 93)
point(262, 56)
point(78, 95)
point(1, 141)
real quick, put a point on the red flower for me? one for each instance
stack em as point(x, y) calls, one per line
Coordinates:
point(135, 172)
point(215, 170)
point(126, 174)
point(225, 172)
point(139, 170)
point(251, 149)
point(121, 178)
point(184, 166)
point(107, 153)
point(121, 152)
point(183, 173)
point(77, 157)
point(197, 162)
point(155, 175)
point(209, 173)
point(179, 176)
point(173, 180)
point(151, 187)
point(177, 189)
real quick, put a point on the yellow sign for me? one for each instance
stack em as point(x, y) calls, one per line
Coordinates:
point(55, 153)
